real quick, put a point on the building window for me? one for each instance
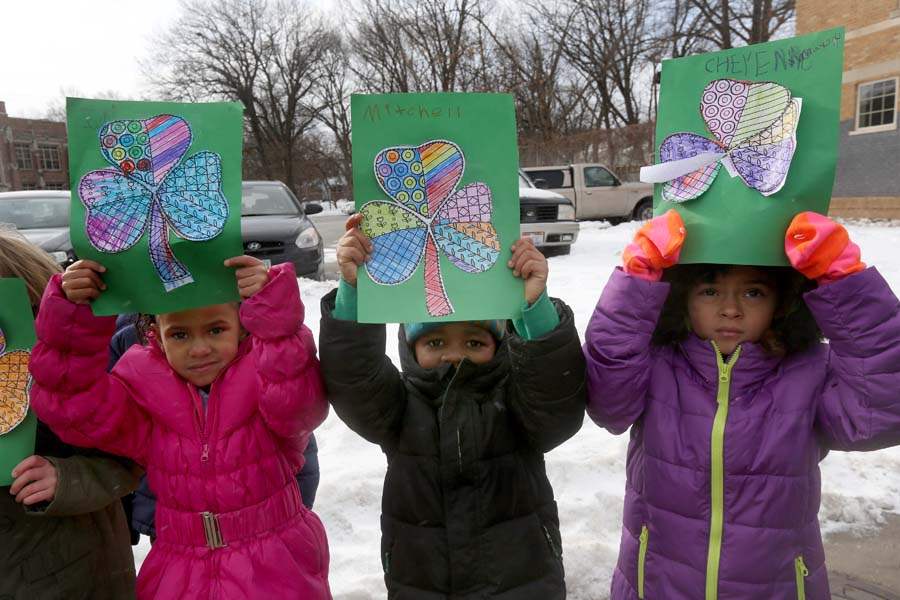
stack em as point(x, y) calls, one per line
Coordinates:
point(23, 156)
point(56, 186)
point(48, 157)
point(876, 105)
point(29, 186)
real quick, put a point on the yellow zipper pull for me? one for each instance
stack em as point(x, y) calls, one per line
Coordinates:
point(801, 573)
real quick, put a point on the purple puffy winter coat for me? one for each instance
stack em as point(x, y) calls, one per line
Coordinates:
point(723, 485)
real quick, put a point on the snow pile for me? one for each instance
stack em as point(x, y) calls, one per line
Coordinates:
point(340, 207)
point(588, 471)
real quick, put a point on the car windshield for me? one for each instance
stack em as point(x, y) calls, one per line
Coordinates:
point(35, 213)
point(524, 182)
point(267, 200)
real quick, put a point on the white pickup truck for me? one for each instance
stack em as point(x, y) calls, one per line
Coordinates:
point(595, 191)
point(546, 218)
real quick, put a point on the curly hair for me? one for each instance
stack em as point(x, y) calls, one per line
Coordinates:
point(793, 327)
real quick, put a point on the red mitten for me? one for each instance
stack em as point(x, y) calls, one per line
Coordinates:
point(656, 246)
point(820, 248)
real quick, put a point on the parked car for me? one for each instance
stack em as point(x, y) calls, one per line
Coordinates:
point(596, 192)
point(43, 218)
point(547, 218)
point(275, 228)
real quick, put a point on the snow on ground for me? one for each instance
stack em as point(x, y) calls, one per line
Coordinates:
point(340, 207)
point(588, 471)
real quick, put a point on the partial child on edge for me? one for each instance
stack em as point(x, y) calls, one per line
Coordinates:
point(63, 532)
point(468, 511)
point(732, 401)
point(217, 406)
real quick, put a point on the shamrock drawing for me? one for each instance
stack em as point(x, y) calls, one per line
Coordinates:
point(755, 131)
point(428, 213)
point(14, 384)
point(152, 186)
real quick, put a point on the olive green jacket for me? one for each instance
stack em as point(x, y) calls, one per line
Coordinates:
point(77, 546)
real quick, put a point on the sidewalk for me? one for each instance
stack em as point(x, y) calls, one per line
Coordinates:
point(868, 567)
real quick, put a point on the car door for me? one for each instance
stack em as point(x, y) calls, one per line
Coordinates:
point(601, 195)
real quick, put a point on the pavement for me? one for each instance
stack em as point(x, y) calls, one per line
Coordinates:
point(865, 567)
point(331, 228)
point(861, 567)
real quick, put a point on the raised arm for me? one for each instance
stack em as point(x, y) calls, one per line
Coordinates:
point(547, 375)
point(72, 392)
point(860, 404)
point(364, 386)
point(292, 401)
point(617, 343)
point(859, 314)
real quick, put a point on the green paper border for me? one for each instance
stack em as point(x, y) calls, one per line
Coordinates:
point(484, 127)
point(132, 282)
point(731, 223)
point(17, 322)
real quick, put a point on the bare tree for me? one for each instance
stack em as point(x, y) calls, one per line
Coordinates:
point(416, 45)
point(334, 92)
point(264, 53)
point(608, 42)
point(739, 22)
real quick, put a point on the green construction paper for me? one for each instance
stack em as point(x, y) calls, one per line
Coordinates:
point(133, 284)
point(17, 323)
point(483, 126)
point(731, 223)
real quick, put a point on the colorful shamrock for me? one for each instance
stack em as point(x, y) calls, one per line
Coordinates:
point(14, 384)
point(151, 185)
point(426, 215)
point(755, 128)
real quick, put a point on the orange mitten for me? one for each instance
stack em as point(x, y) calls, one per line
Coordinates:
point(656, 246)
point(820, 248)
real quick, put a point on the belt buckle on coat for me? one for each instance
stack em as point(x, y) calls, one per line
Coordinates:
point(211, 530)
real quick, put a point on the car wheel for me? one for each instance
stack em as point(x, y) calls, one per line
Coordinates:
point(644, 210)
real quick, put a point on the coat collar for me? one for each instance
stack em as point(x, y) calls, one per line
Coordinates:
point(753, 366)
point(432, 383)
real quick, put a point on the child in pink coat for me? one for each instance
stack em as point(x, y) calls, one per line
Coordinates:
point(218, 407)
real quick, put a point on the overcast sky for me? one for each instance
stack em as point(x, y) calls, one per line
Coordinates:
point(49, 47)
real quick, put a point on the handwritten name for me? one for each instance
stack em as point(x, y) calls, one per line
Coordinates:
point(757, 63)
point(377, 112)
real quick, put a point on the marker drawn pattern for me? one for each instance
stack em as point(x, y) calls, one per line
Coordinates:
point(14, 385)
point(152, 187)
point(427, 217)
point(754, 126)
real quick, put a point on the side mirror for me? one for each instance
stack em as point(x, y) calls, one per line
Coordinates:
point(312, 208)
point(540, 183)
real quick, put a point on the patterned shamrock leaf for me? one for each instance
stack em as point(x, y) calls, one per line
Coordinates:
point(755, 131)
point(152, 186)
point(14, 384)
point(428, 214)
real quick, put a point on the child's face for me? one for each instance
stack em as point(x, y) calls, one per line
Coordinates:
point(737, 307)
point(453, 342)
point(200, 342)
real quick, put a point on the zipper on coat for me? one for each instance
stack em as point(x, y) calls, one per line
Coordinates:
point(202, 419)
point(717, 472)
point(642, 559)
point(801, 573)
point(557, 553)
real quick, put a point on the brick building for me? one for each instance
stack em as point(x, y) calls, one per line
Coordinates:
point(33, 154)
point(867, 182)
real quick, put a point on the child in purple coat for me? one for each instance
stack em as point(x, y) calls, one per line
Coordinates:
point(732, 401)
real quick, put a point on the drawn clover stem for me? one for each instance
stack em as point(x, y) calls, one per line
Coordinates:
point(171, 271)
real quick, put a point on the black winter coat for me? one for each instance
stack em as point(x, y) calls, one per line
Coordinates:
point(467, 509)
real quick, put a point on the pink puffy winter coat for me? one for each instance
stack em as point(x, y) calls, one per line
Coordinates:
point(223, 477)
